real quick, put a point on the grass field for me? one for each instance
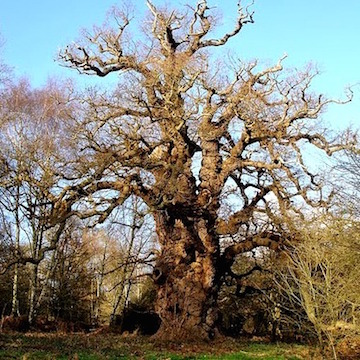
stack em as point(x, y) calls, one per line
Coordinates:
point(110, 346)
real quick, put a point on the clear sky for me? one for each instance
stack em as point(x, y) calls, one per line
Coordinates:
point(325, 32)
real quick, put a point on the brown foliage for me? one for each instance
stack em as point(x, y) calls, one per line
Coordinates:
point(15, 323)
point(349, 348)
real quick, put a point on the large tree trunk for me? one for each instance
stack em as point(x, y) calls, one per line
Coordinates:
point(187, 275)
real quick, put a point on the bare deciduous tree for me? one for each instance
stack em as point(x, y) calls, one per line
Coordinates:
point(346, 179)
point(215, 152)
point(122, 256)
point(32, 163)
point(320, 277)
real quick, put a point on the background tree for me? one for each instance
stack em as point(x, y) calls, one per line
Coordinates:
point(68, 289)
point(5, 71)
point(346, 180)
point(122, 258)
point(32, 153)
point(320, 277)
point(215, 152)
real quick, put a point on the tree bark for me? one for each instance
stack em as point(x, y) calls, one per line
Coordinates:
point(188, 278)
point(15, 297)
point(33, 291)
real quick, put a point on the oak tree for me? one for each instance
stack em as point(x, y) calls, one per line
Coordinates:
point(214, 150)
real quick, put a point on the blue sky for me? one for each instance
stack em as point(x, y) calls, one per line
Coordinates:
point(325, 32)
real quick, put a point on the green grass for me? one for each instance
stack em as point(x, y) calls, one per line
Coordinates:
point(114, 347)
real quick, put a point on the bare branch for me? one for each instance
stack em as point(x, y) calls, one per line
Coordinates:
point(271, 241)
point(244, 17)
